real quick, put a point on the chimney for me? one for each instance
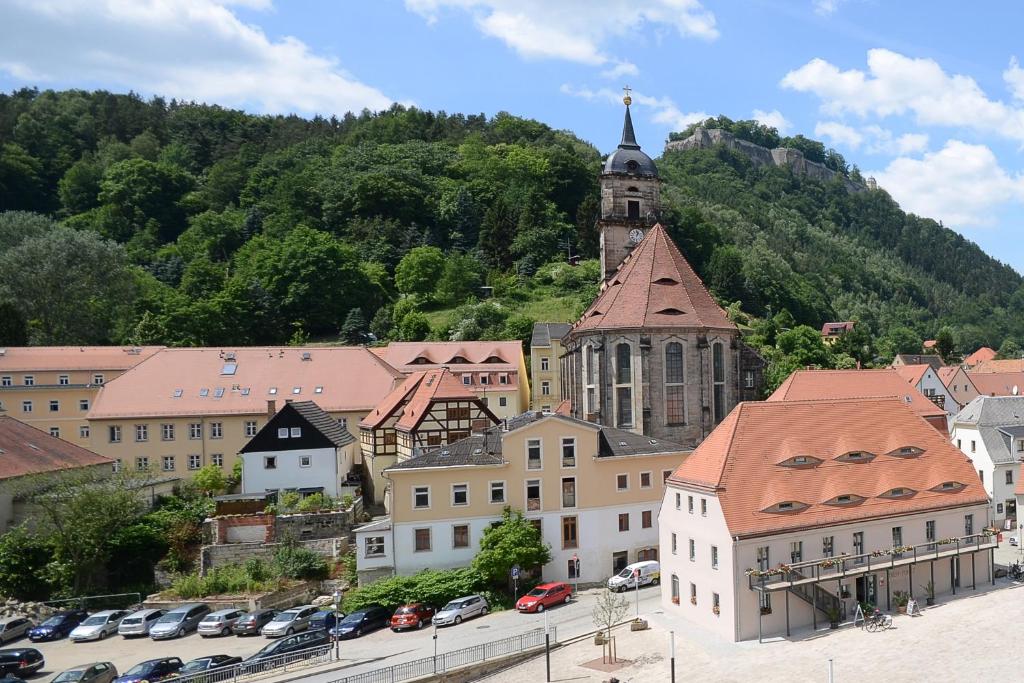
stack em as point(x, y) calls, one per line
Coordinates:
point(271, 407)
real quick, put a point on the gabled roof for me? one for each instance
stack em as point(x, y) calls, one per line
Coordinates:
point(918, 359)
point(847, 384)
point(654, 287)
point(998, 383)
point(742, 461)
point(912, 374)
point(992, 411)
point(212, 381)
point(325, 430)
point(1004, 365)
point(832, 329)
point(324, 423)
point(500, 356)
point(543, 333)
point(56, 358)
point(25, 450)
point(412, 399)
point(979, 356)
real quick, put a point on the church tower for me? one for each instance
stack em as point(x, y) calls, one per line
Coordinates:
point(630, 195)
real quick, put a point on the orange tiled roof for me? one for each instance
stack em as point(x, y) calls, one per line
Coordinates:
point(981, 355)
point(740, 461)
point(998, 383)
point(833, 329)
point(654, 287)
point(929, 343)
point(844, 384)
point(1005, 365)
point(349, 378)
point(503, 356)
point(26, 450)
point(415, 396)
point(912, 374)
point(56, 358)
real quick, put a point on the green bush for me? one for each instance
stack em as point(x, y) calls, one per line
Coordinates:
point(434, 587)
point(225, 580)
point(294, 562)
point(315, 503)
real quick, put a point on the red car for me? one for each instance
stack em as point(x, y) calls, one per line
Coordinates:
point(414, 615)
point(544, 596)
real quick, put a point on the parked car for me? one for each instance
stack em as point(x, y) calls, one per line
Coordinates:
point(97, 672)
point(635, 575)
point(210, 669)
point(58, 625)
point(413, 615)
point(139, 623)
point(11, 678)
point(219, 623)
point(311, 642)
point(325, 619)
point(179, 621)
point(22, 661)
point(457, 611)
point(151, 670)
point(544, 596)
point(369, 618)
point(251, 623)
point(98, 626)
point(289, 621)
point(14, 628)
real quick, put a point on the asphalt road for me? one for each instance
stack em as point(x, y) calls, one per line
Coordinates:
point(374, 650)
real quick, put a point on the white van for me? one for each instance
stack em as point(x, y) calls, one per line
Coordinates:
point(638, 573)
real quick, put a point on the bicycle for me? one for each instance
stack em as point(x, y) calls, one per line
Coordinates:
point(878, 621)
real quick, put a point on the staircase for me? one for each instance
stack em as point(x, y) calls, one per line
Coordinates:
point(815, 595)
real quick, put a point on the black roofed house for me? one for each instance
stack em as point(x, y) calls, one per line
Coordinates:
point(301, 448)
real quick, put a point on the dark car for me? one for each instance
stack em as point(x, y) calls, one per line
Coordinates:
point(251, 623)
point(370, 618)
point(151, 670)
point(58, 626)
point(11, 678)
point(413, 615)
point(325, 619)
point(21, 661)
point(97, 672)
point(310, 642)
point(210, 669)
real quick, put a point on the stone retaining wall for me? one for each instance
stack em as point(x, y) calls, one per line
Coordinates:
point(211, 556)
point(299, 594)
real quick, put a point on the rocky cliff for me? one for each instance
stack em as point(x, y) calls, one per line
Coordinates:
point(703, 138)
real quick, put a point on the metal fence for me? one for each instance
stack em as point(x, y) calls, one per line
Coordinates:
point(447, 661)
point(278, 664)
point(98, 602)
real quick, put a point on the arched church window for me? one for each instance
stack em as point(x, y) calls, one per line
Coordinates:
point(623, 386)
point(675, 377)
point(718, 381)
point(590, 384)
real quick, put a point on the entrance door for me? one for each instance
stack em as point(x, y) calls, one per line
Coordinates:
point(619, 561)
point(867, 589)
point(1011, 508)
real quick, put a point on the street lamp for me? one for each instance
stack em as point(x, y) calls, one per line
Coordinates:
point(337, 639)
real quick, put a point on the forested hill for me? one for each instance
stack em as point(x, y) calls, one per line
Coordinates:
point(133, 221)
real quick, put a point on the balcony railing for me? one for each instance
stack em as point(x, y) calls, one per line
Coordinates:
point(832, 568)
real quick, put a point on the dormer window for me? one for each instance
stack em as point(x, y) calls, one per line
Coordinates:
point(845, 499)
point(801, 461)
point(907, 452)
point(856, 456)
point(949, 486)
point(666, 281)
point(786, 506)
point(898, 492)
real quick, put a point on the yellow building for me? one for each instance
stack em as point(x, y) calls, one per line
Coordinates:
point(545, 351)
point(186, 408)
point(493, 370)
point(595, 492)
point(53, 388)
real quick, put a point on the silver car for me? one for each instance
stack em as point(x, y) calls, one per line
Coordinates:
point(13, 628)
point(98, 626)
point(139, 623)
point(179, 621)
point(219, 623)
point(290, 621)
point(457, 611)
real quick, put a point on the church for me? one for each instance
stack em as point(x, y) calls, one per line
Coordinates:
point(654, 353)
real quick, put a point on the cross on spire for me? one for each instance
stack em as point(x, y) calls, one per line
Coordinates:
point(627, 100)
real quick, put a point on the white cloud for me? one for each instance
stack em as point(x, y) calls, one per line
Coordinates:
point(664, 110)
point(826, 7)
point(1014, 77)
point(895, 84)
point(187, 49)
point(574, 30)
point(874, 139)
point(621, 69)
point(839, 134)
point(961, 184)
point(774, 119)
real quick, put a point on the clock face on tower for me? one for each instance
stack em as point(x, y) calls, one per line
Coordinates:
point(635, 235)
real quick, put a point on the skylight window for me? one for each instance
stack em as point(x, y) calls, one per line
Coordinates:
point(296, 390)
point(318, 390)
point(204, 392)
point(218, 392)
point(229, 368)
point(178, 393)
point(245, 391)
point(272, 390)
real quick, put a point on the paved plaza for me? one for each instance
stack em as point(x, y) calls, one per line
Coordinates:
point(966, 638)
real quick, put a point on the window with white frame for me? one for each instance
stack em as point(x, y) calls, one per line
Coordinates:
point(54, 406)
point(217, 459)
point(689, 504)
point(83, 404)
point(282, 432)
point(114, 434)
point(675, 390)
point(568, 492)
point(26, 406)
point(305, 461)
point(216, 430)
point(55, 432)
point(142, 463)
point(1009, 476)
point(460, 495)
point(250, 427)
point(622, 482)
point(533, 500)
point(195, 462)
point(796, 551)
point(679, 501)
point(167, 432)
point(968, 525)
point(763, 558)
point(83, 432)
point(748, 379)
point(534, 454)
point(623, 386)
point(568, 451)
point(142, 432)
point(29, 380)
point(64, 380)
point(827, 546)
point(591, 391)
point(421, 497)
point(270, 462)
point(373, 546)
point(497, 492)
point(703, 507)
point(195, 430)
point(168, 463)
point(545, 388)
point(97, 379)
point(6, 381)
point(544, 362)
point(296, 432)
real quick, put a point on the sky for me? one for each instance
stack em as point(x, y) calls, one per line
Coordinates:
point(925, 95)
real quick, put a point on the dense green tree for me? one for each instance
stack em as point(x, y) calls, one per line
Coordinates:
point(419, 270)
point(513, 541)
point(353, 330)
point(497, 233)
point(18, 226)
point(804, 346)
point(142, 190)
point(413, 326)
point(1008, 350)
point(725, 273)
point(945, 343)
point(13, 325)
point(79, 189)
point(209, 479)
point(901, 339)
point(460, 280)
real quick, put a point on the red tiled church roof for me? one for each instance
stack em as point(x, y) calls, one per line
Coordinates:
point(741, 460)
point(654, 287)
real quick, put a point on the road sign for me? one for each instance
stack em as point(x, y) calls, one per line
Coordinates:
point(515, 571)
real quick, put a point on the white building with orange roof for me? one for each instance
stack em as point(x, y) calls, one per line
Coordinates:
point(185, 408)
point(926, 380)
point(52, 388)
point(959, 385)
point(792, 512)
point(494, 370)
